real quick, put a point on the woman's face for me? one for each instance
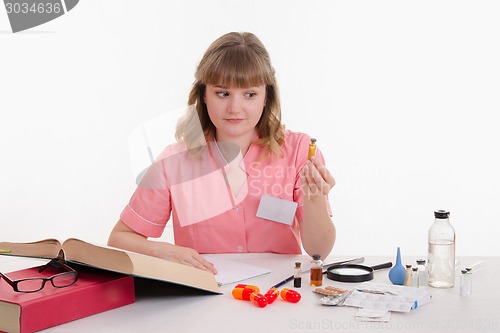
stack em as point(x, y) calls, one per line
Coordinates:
point(235, 111)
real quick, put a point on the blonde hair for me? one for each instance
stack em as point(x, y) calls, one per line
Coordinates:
point(236, 59)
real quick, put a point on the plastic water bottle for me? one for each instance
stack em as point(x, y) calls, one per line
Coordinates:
point(441, 253)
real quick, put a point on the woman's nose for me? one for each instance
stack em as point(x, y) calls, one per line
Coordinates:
point(234, 104)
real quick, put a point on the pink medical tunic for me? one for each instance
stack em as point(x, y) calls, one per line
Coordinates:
point(211, 216)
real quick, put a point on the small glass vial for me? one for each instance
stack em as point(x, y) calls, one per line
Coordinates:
point(297, 275)
point(408, 275)
point(316, 279)
point(466, 282)
point(414, 277)
point(422, 273)
point(312, 149)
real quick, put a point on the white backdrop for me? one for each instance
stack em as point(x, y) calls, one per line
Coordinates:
point(403, 97)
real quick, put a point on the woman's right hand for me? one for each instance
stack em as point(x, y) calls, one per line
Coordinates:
point(184, 255)
point(125, 238)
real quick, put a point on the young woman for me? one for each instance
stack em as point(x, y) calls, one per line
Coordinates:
point(236, 181)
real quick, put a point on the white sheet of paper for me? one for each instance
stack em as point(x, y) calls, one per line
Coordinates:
point(231, 271)
point(276, 209)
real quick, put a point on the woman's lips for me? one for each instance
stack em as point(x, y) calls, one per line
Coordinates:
point(234, 120)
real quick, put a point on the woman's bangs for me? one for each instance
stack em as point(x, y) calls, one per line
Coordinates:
point(238, 69)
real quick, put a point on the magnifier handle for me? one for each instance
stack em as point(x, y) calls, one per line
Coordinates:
point(384, 265)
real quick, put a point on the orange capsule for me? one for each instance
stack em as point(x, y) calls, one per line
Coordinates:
point(290, 295)
point(271, 295)
point(258, 299)
point(243, 293)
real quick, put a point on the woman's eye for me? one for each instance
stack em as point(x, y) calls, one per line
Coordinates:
point(250, 94)
point(222, 93)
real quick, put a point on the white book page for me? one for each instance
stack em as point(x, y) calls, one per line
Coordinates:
point(230, 271)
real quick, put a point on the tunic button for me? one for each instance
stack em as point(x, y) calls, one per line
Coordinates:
point(236, 209)
point(239, 248)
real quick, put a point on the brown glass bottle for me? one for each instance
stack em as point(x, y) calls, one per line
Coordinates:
point(316, 278)
point(312, 149)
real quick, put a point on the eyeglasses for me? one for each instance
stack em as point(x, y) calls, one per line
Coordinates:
point(31, 285)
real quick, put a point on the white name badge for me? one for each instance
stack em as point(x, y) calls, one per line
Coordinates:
point(276, 209)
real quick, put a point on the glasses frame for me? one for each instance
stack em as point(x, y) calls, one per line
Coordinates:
point(53, 262)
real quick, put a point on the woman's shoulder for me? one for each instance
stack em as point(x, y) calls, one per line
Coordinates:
point(172, 149)
point(296, 144)
point(295, 139)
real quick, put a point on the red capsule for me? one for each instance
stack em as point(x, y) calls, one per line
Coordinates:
point(248, 286)
point(290, 295)
point(271, 295)
point(259, 300)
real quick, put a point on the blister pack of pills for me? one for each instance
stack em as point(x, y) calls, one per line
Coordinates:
point(387, 297)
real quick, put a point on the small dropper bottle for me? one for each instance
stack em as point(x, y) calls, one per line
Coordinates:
point(312, 149)
point(297, 275)
point(466, 282)
point(408, 275)
point(422, 273)
point(414, 277)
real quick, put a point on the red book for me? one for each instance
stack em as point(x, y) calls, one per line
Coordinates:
point(95, 291)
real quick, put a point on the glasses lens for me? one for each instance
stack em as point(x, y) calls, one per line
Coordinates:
point(30, 285)
point(64, 279)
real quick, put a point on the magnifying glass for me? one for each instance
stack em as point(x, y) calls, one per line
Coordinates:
point(353, 272)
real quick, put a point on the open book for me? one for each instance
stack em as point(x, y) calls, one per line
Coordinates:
point(116, 260)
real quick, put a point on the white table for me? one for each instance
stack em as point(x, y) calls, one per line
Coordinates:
point(170, 308)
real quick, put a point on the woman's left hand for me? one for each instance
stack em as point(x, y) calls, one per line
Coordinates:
point(316, 179)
